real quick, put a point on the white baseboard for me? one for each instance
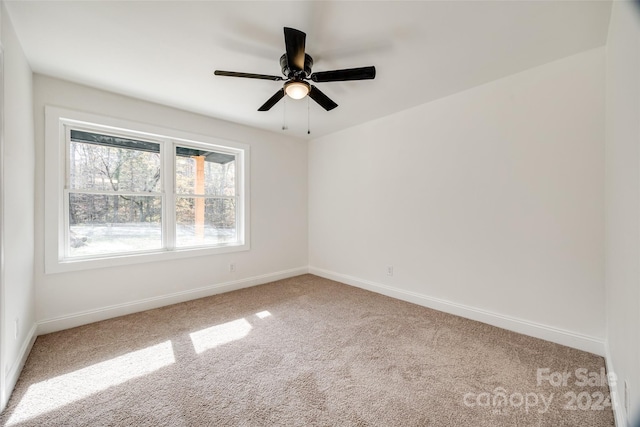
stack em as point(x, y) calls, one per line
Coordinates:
point(537, 330)
point(14, 372)
point(82, 318)
point(615, 392)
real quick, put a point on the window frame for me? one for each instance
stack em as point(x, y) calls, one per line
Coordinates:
point(59, 121)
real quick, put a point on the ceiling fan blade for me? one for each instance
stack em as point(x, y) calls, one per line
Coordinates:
point(322, 99)
point(362, 73)
point(247, 75)
point(294, 41)
point(272, 101)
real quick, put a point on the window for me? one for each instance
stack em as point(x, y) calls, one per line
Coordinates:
point(206, 197)
point(114, 193)
point(118, 193)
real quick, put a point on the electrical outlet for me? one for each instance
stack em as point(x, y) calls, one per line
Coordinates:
point(627, 398)
point(16, 328)
point(390, 270)
point(232, 267)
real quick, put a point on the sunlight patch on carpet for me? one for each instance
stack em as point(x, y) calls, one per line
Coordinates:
point(224, 333)
point(57, 392)
point(263, 314)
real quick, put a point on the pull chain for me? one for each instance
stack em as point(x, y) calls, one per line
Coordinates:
point(308, 116)
point(284, 114)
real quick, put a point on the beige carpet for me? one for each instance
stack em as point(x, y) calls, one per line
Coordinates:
point(302, 352)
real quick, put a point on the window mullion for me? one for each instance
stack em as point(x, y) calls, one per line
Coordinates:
point(168, 198)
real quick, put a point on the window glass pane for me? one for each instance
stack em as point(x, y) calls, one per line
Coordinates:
point(205, 221)
point(104, 224)
point(111, 168)
point(205, 172)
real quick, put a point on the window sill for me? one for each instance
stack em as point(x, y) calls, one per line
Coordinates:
point(139, 258)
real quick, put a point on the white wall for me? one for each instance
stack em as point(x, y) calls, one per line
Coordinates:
point(488, 203)
point(623, 202)
point(278, 219)
point(18, 192)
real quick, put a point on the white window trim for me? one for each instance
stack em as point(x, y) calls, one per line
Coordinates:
point(56, 119)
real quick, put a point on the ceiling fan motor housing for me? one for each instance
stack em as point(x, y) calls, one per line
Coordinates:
point(296, 74)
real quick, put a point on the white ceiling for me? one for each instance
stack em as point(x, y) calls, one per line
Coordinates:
point(166, 51)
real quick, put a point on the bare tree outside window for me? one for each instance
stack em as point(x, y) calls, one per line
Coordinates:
point(115, 196)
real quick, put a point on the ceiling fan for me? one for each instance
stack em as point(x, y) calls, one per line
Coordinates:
point(296, 67)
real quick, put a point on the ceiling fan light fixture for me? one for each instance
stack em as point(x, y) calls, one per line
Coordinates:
point(297, 89)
